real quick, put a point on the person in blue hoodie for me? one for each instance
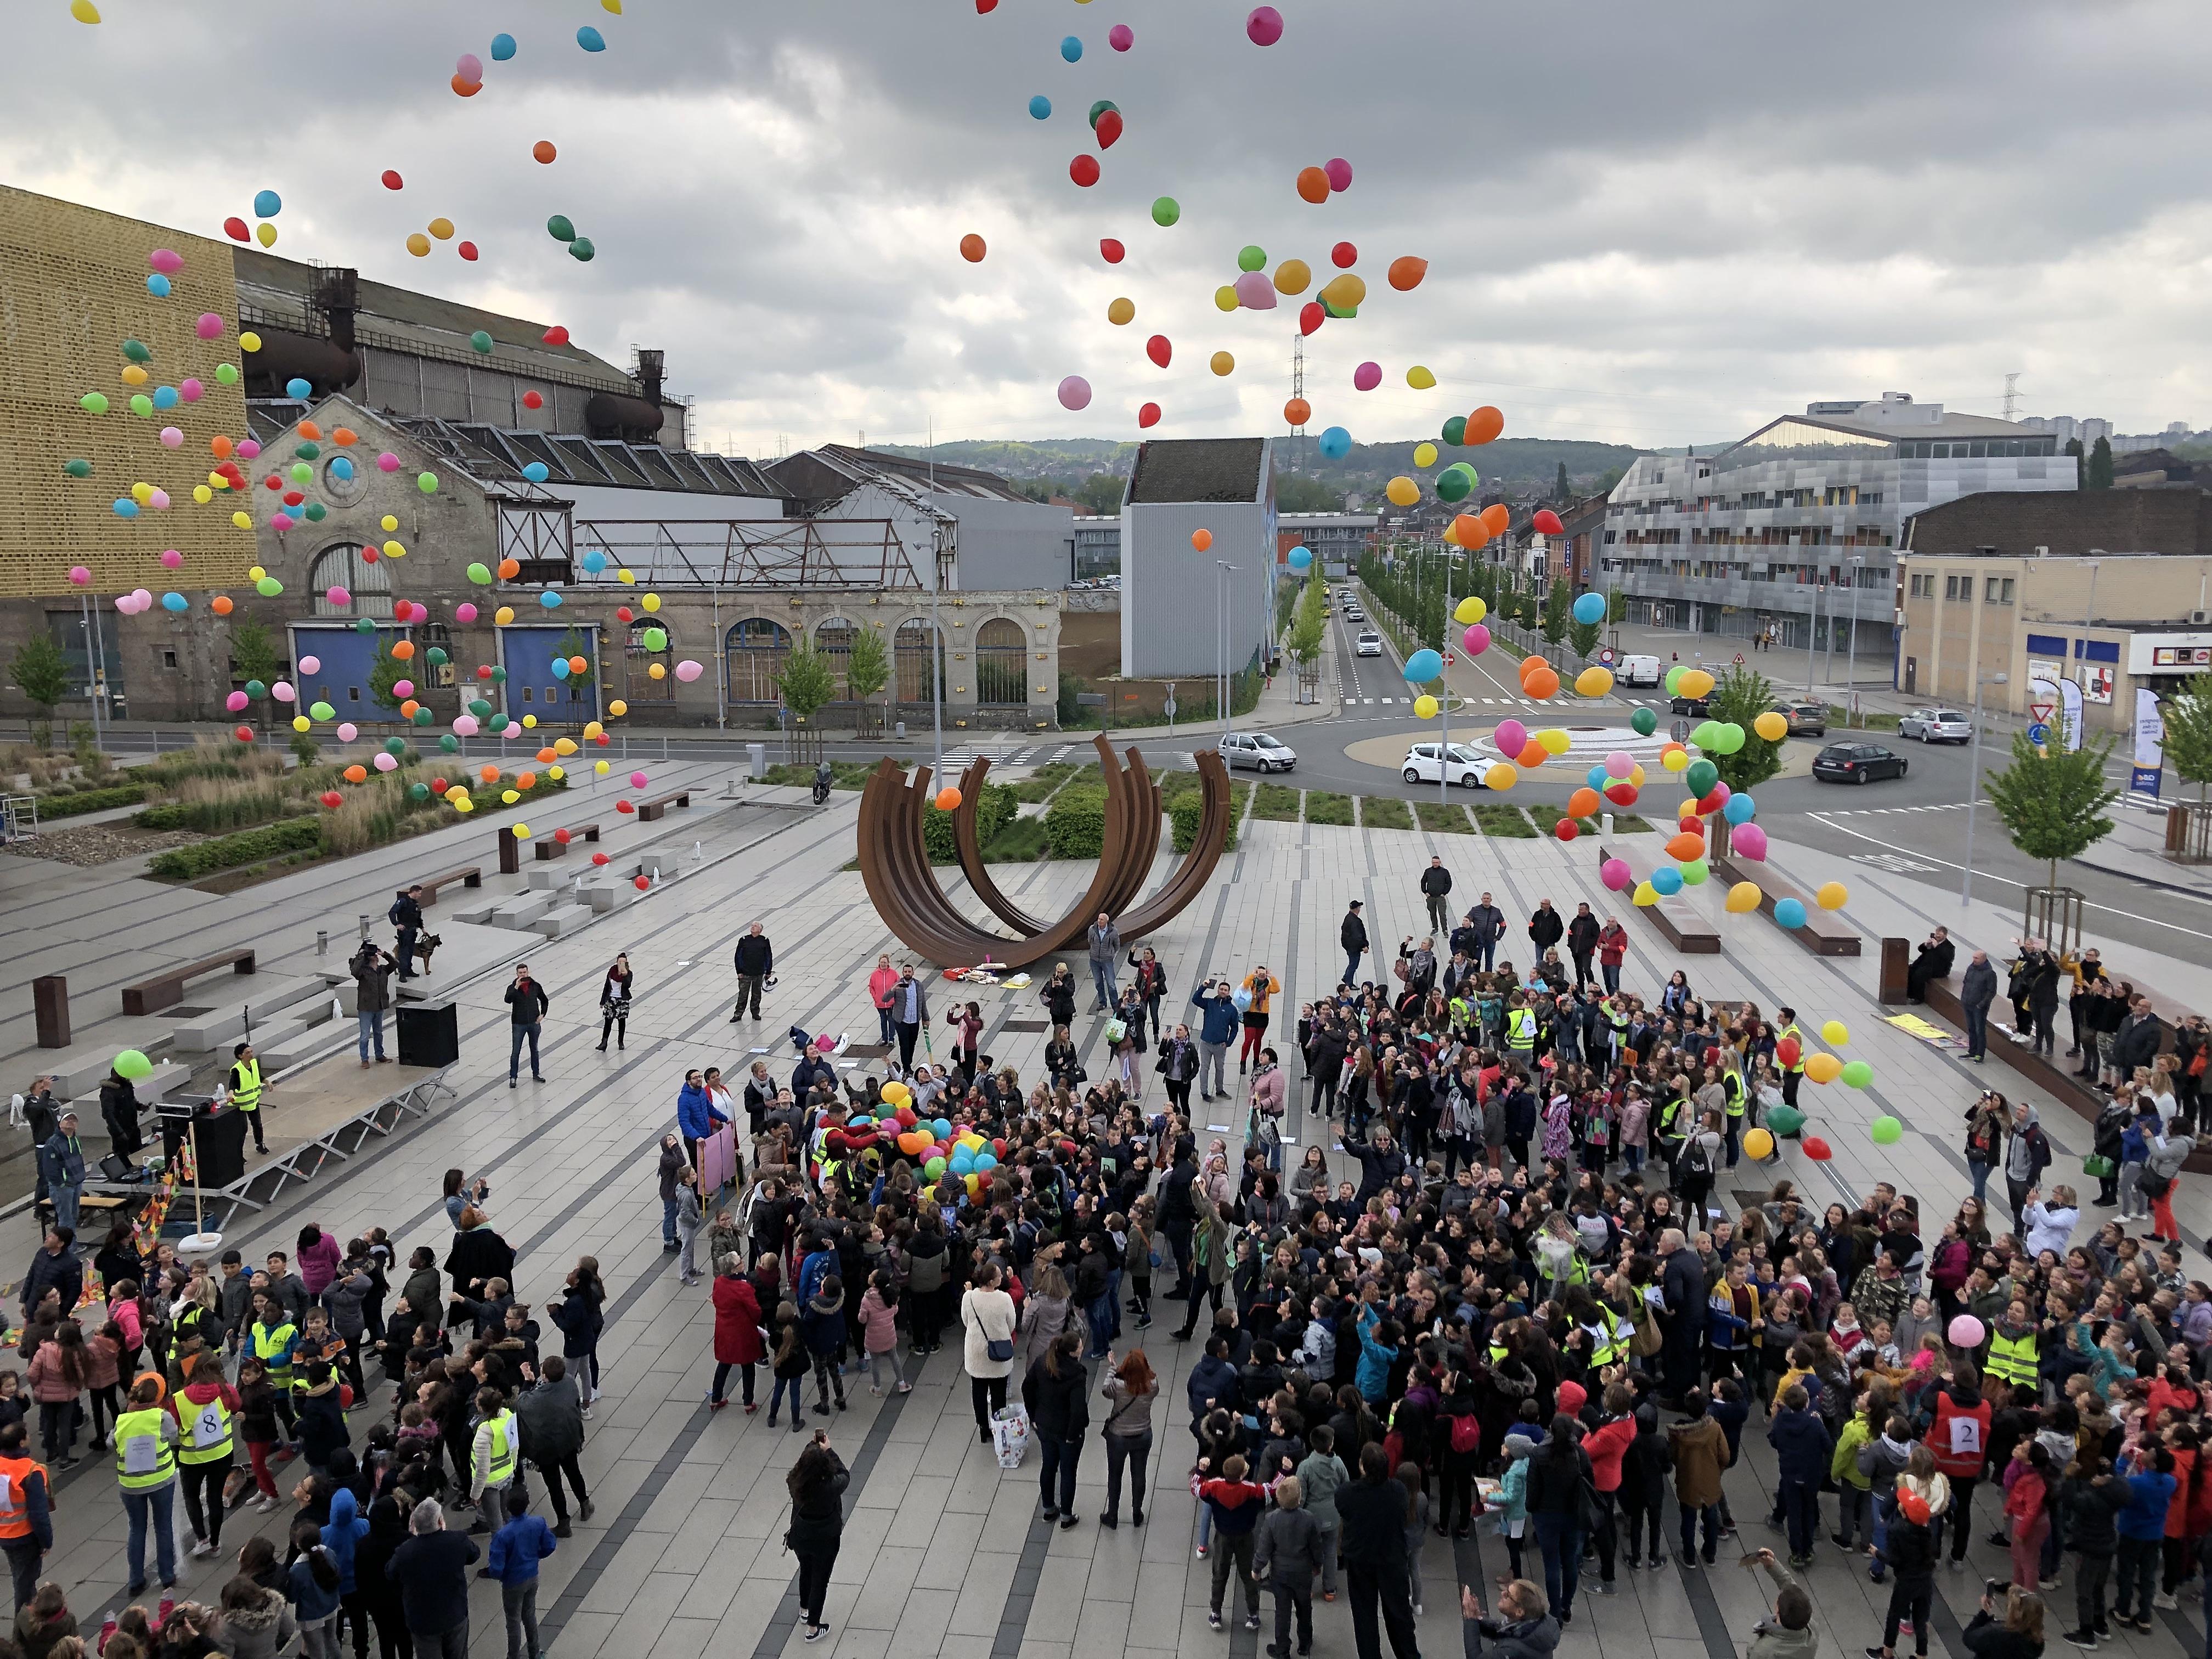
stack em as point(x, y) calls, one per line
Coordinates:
point(2143, 1531)
point(1802, 1444)
point(1211, 1383)
point(1215, 1002)
point(312, 1588)
point(516, 1550)
point(347, 1528)
point(1378, 1353)
point(697, 1116)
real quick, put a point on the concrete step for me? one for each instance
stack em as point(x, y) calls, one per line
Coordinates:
point(566, 919)
point(219, 1028)
point(520, 912)
point(607, 896)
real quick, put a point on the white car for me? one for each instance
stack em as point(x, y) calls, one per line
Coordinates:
point(1640, 670)
point(1257, 750)
point(1368, 644)
point(1938, 726)
point(1468, 767)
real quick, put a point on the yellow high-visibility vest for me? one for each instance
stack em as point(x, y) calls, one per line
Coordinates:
point(144, 1459)
point(207, 1432)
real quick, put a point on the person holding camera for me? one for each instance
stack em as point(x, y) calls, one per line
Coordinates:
point(1787, 1632)
point(1217, 1006)
point(2007, 1626)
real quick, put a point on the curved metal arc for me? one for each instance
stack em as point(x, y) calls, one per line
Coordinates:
point(1188, 878)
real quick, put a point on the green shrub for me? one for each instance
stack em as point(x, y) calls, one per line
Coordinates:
point(228, 852)
point(1021, 841)
point(91, 800)
point(1184, 815)
point(221, 810)
point(1040, 783)
point(1075, 822)
point(994, 811)
point(1324, 808)
point(1384, 812)
point(1509, 822)
point(1277, 802)
point(1449, 819)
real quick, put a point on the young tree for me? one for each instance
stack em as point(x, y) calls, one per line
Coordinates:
point(2188, 718)
point(252, 655)
point(1308, 626)
point(1739, 697)
point(385, 674)
point(1102, 493)
point(42, 675)
point(2100, 476)
point(573, 645)
point(2074, 449)
point(1561, 491)
point(867, 667)
point(1555, 611)
point(807, 682)
point(2053, 805)
point(1583, 637)
point(1616, 606)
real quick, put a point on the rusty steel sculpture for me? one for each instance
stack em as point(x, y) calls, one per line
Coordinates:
point(895, 863)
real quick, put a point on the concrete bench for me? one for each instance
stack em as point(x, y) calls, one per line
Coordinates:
point(221, 1027)
point(1824, 933)
point(522, 910)
point(467, 875)
point(649, 811)
point(1676, 919)
point(607, 896)
point(552, 847)
point(167, 988)
point(564, 919)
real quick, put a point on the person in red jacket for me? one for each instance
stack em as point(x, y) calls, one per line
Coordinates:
point(1611, 950)
point(1605, 1444)
point(737, 1331)
point(1960, 1437)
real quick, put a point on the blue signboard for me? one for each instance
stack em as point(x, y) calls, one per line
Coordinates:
point(2038, 734)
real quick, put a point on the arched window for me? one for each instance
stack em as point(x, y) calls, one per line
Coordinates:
point(910, 656)
point(756, 650)
point(1002, 664)
point(642, 660)
point(349, 566)
point(834, 640)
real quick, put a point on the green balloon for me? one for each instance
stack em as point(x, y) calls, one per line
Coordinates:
point(1452, 485)
point(364, 626)
point(307, 452)
point(449, 743)
point(480, 708)
point(1858, 1074)
point(1675, 678)
point(482, 342)
point(1252, 258)
point(480, 574)
point(1455, 432)
point(560, 229)
point(418, 792)
point(77, 469)
point(581, 249)
point(132, 1065)
point(322, 711)
point(934, 1168)
point(1730, 739)
point(1701, 777)
point(315, 513)
point(1099, 109)
point(498, 677)
point(655, 639)
point(422, 717)
point(1886, 1130)
point(500, 722)
point(1783, 1122)
point(427, 483)
point(226, 374)
point(269, 588)
point(437, 655)
point(256, 689)
point(302, 473)
point(1643, 722)
point(1331, 308)
point(1702, 734)
point(395, 745)
point(1694, 872)
point(94, 403)
point(136, 351)
point(141, 405)
point(1166, 210)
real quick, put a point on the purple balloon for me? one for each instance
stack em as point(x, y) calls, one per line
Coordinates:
point(1476, 639)
point(1254, 292)
point(1121, 36)
point(1264, 27)
point(1966, 1331)
point(1339, 173)
point(1075, 392)
point(1367, 377)
point(1511, 738)
point(1747, 841)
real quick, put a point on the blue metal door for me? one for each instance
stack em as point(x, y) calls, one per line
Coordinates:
point(533, 687)
point(344, 659)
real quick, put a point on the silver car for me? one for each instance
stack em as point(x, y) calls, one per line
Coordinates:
point(1938, 726)
point(1368, 644)
point(1257, 750)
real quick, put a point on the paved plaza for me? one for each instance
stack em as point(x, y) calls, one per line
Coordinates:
point(943, 1554)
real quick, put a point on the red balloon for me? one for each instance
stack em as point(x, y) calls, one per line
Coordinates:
point(624, 806)
point(467, 251)
point(1083, 169)
point(1149, 414)
point(1109, 128)
point(1787, 1051)
point(244, 733)
point(393, 181)
point(1111, 251)
point(1311, 316)
point(437, 786)
point(1547, 522)
point(533, 400)
point(235, 228)
point(642, 883)
point(556, 335)
point(985, 8)
point(1818, 1150)
point(332, 799)
point(1622, 794)
point(598, 858)
point(484, 670)
point(1566, 829)
point(1344, 256)
point(623, 613)
point(561, 837)
point(1159, 349)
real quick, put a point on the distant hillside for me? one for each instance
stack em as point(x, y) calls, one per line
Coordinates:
point(1052, 458)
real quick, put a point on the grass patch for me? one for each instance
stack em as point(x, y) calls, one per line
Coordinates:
point(1508, 823)
point(843, 775)
point(1021, 841)
point(1324, 808)
point(1040, 784)
point(1451, 820)
point(1384, 812)
point(1840, 718)
point(1276, 802)
point(228, 852)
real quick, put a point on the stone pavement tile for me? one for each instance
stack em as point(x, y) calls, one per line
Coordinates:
point(713, 1591)
point(1006, 1528)
point(884, 1579)
point(1039, 1648)
point(685, 1638)
point(583, 1635)
point(952, 1539)
point(888, 1482)
point(982, 1594)
point(927, 1616)
point(625, 1576)
point(1101, 1630)
point(856, 1641)
point(958, 1646)
point(1062, 1581)
point(672, 1500)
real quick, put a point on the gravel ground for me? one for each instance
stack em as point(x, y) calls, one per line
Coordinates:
point(102, 844)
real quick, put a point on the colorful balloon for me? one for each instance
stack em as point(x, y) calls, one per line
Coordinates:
point(1263, 27)
point(1075, 392)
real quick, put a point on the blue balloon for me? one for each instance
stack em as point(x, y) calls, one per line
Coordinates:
point(1336, 443)
point(267, 204)
point(158, 286)
point(1589, 608)
point(1667, 881)
point(985, 1162)
point(1424, 666)
point(537, 472)
point(341, 469)
point(1597, 777)
point(963, 1162)
point(502, 48)
point(595, 561)
point(1041, 108)
point(1790, 912)
point(296, 387)
point(126, 507)
point(591, 40)
point(549, 599)
point(165, 397)
point(559, 668)
point(943, 1126)
point(1740, 808)
point(175, 602)
point(1301, 558)
point(1071, 49)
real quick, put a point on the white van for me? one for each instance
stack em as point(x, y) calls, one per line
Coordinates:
point(1640, 670)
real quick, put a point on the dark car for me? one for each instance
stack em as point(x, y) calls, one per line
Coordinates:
point(1857, 763)
point(1695, 708)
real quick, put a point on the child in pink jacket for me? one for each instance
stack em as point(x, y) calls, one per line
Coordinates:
point(879, 1332)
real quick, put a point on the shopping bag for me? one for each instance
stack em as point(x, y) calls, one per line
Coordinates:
point(1010, 1435)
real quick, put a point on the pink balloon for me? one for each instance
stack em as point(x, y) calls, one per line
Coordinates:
point(1747, 841)
point(337, 595)
point(1511, 736)
point(141, 597)
point(386, 761)
point(1264, 25)
point(79, 576)
point(235, 702)
point(171, 558)
point(464, 612)
point(209, 327)
point(159, 501)
point(282, 521)
point(168, 261)
point(282, 691)
point(348, 731)
point(1966, 1331)
point(1254, 292)
point(637, 780)
point(1619, 763)
point(1616, 874)
point(311, 664)
point(387, 462)
point(249, 447)
point(191, 389)
point(689, 670)
point(468, 66)
point(1367, 377)
point(1075, 392)
point(173, 437)
point(1121, 36)
point(464, 725)
point(403, 688)
point(1476, 639)
point(1339, 173)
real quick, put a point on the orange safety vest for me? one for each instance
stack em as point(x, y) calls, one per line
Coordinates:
point(14, 1513)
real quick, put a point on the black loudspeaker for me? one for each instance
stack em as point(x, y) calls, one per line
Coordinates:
point(430, 1034)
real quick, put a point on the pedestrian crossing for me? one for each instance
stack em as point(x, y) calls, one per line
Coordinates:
point(1876, 811)
point(1038, 754)
point(1502, 702)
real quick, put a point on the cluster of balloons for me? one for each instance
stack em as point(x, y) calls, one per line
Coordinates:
point(267, 204)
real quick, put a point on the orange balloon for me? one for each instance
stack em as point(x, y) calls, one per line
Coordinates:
point(220, 447)
point(356, 774)
point(509, 569)
point(1201, 540)
point(1313, 185)
point(489, 773)
point(1297, 411)
point(344, 437)
point(526, 780)
point(577, 665)
point(1497, 518)
point(1583, 803)
point(544, 150)
point(467, 88)
point(403, 650)
point(222, 605)
point(948, 799)
point(1469, 531)
point(1685, 847)
point(1407, 272)
point(1533, 754)
point(1541, 684)
point(972, 249)
point(408, 707)
point(1484, 424)
point(310, 431)
point(547, 757)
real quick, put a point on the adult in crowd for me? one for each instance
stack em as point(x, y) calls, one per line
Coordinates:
point(1103, 942)
point(372, 968)
point(617, 992)
point(988, 1323)
point(816, 1484)
point(526, 1003)
point(753, 961)
point(1436, 889)
point(430, 1571)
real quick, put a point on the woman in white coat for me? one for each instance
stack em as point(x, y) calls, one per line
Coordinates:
point(987, 1315)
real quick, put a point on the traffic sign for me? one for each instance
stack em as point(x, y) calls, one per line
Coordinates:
point(1738, 659)
point(2038, 734)
point(2041, 712)
point(1605, 656)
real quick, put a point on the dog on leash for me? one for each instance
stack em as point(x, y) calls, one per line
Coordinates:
point(424, 945)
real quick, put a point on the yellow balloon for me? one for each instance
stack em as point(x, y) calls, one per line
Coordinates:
point(134, 375)
point(1425, 454)
point(565, 746)
point(1758, 1145)
point(1224, 298)
point(1503, 775)
point(1772, 726)
point(301, 722)
point(1823, 1069)
point(1451, 533)
point(1222, 363)
point(528, 721)
point(1469, 612)
point(255, 573)
point(1645, 894)
point(1292, 276)
point(626, 578)
point(1555, 741)
point(522, 832)
point(442, 228)
point(84, 11)
point(265, 234)
point(600, 767)
point(202, 495)
point(1636, 776)
point(1424, 707)
point(1345, 292)
point(463, 804)
point(394, 550)
point(618, 708)
point(1835, 1033)
point(1694, 683)
point(418, 245)
point(1831, 895)
point(1743, 898)
point(592, 730)
point(1402, 491)
point(1594, 682)
point(509, 796)
point(556, 772)
point(249, 341)
point(1121, 311)
point(658, 672)
point(895, 1093)
point(1420, 378)
point(243, 520)
point(504, 614)
point(388, 523)
point(1675, 760)
point(652, 602)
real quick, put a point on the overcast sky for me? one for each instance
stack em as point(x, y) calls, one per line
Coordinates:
point(1652, 225)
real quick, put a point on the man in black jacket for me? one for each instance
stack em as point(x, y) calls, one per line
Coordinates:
point(1545, 928)
point(1582, 943)
point(1682, 1283)
point(432, 1572)
point(1381, 1163)
point(1488, 922)
point(1436, 887)
point(1370, 1514)
point(1976, 991)
point(755, 962)
point(1353, 937)
point(551, 1416)
point(1178, 1217)
point(406, 915)
point(526, 1003)
point(1934, 960)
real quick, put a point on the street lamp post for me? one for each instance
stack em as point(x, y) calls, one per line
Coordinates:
point(1221, 609)
point(1974, 789)
point(1852, 653)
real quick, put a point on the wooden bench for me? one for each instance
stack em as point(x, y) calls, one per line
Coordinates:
point(648, 811)
point(167, 988)
point(468, 875)
point(1824, 933)
point(1676, 919)
point(552, 847)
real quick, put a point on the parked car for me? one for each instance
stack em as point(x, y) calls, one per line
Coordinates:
point(1806, 720)
point(1368, 644)
point(1938, 726)
point(1257, 750)
point(1353, 613)
point(1468, 767)
point(1857, 763)
point(1695, 708)
point(1640, 670)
